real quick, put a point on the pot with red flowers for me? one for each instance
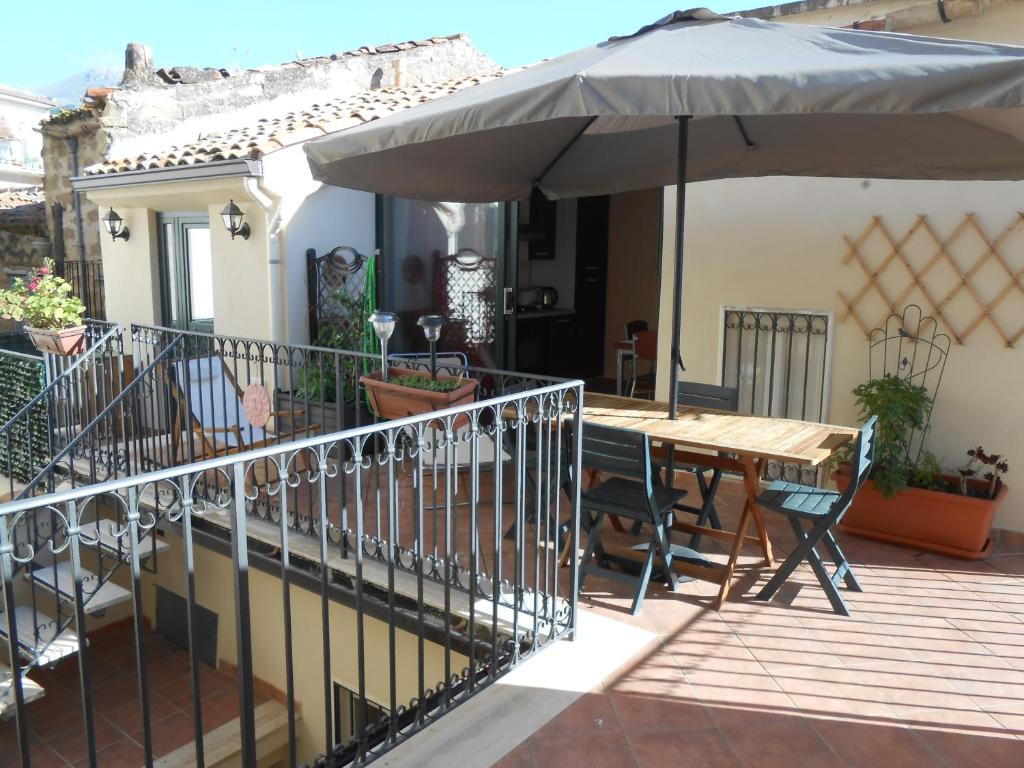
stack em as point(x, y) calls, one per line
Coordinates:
point(51, 313)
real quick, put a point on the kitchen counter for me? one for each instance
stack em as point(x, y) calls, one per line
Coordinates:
point(540, 313)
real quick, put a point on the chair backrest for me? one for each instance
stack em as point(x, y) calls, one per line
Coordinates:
point(860, 466)
point(647, 345)
point(622, 452)
point(714, 396)
point(633, 327)
point(214, 400)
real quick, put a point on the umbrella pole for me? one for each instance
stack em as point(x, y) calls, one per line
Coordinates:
point(676, 360)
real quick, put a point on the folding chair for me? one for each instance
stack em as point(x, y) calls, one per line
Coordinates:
point(819, 510)
point(723, 399)
point(645, 348)
point(632, 493)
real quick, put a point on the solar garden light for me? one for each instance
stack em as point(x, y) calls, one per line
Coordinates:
point(431, 325)
point(383, 325)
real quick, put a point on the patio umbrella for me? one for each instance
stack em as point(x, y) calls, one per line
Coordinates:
point(697, 96)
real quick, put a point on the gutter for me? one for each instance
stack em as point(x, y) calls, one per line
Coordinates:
point(272, 206)
point(219, 169)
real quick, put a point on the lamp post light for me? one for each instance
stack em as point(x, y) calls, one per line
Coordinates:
point(431, 325)
point(383, 326)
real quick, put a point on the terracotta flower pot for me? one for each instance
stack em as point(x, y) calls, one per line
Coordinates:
point(69, 341)
point(394, 401)
point(936, 521)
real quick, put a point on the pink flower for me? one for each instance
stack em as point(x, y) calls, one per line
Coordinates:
point(33, 285)
point(44, 270)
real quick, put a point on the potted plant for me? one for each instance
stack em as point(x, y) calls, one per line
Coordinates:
point(410, 393)
point(908, 499)
point(51, 313)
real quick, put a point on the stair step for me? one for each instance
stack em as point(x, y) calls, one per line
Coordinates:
point(65, 645)
point(96, 600)
point(30, 689)
point(119, 547)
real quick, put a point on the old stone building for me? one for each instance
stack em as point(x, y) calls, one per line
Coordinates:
point(156, 107)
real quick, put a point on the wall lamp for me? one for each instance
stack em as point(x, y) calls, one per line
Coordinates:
point(114, 224)
point(232, 216)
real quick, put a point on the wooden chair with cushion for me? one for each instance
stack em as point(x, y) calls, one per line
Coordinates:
point(632, 492)
point(811, 513)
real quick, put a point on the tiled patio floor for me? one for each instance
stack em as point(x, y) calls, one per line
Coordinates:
point(929, 671)
point(55, 721)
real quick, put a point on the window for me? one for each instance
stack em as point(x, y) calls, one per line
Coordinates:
point(347, 713)
point(781, 362)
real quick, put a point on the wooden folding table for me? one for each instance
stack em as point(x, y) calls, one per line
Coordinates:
point(733, 442)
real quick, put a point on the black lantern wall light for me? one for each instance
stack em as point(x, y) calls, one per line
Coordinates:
point(114, 224)
point(232, 216)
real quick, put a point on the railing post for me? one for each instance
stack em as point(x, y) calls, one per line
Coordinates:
point(85, 682)
point(243, 621)
point(7, 577)
point(574, 532)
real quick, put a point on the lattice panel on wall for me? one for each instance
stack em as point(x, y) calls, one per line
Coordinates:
point(971, 278)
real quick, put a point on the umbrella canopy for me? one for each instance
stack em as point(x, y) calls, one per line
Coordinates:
point(766, 99)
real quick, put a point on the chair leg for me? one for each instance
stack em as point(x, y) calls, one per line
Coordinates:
point(841, 562)
point(661, 541)
point(643, 579)
point(825, 579)
point(593, 540)
point(789, 565)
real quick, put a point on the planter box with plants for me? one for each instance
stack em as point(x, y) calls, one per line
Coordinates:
point(51, 313)
point(411, 393)
point(909, 499)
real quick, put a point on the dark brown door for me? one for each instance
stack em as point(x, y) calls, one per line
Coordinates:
point(591, 284)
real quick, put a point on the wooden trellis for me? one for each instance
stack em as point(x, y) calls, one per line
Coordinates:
point(883, 280)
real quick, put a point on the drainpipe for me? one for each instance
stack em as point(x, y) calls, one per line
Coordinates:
point(272, 206)
point(72, 144)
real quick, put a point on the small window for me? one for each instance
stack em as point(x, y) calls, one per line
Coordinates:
point(347, 713)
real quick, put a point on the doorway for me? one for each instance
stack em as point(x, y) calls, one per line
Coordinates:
point(186, 271)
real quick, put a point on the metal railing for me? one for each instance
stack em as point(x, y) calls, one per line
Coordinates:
point(86, 278)
point(75, 388)
point(446, 527)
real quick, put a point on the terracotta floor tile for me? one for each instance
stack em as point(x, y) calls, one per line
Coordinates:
point(793, 744)
point(519, 757)
point(171, 733)
point(122, 754)
point(590, 713)
point(688, 749)
point(864, 745)
point(639, 713)
point(601, 750)
point(966, 751)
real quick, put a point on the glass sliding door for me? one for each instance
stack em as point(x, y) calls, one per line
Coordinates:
point(186, 271)
point(447, 259)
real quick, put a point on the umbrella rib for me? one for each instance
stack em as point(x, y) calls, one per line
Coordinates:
point(743, 132)
point(563, 150)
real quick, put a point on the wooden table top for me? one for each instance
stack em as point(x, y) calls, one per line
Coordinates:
point(788, 440)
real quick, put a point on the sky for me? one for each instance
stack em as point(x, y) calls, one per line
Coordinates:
point(238, 34)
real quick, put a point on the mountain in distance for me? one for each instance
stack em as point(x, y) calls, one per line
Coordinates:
point(69, 91)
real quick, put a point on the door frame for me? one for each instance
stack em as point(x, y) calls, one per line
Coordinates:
point(182, 221)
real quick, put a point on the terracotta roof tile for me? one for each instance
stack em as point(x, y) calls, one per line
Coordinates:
point(268, 134)
point(23, 210)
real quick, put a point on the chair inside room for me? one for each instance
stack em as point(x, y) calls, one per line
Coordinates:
point(811, 513)
point(634, 492)
point(645, 352)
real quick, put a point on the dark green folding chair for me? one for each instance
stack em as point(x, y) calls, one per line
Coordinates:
point(698, 395)
point(632, 492)
point(811, 513)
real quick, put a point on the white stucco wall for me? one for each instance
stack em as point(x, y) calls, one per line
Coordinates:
point(778, 242)
point(313, 216)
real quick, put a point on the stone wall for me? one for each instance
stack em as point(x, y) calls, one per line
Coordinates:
point(84, 127)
